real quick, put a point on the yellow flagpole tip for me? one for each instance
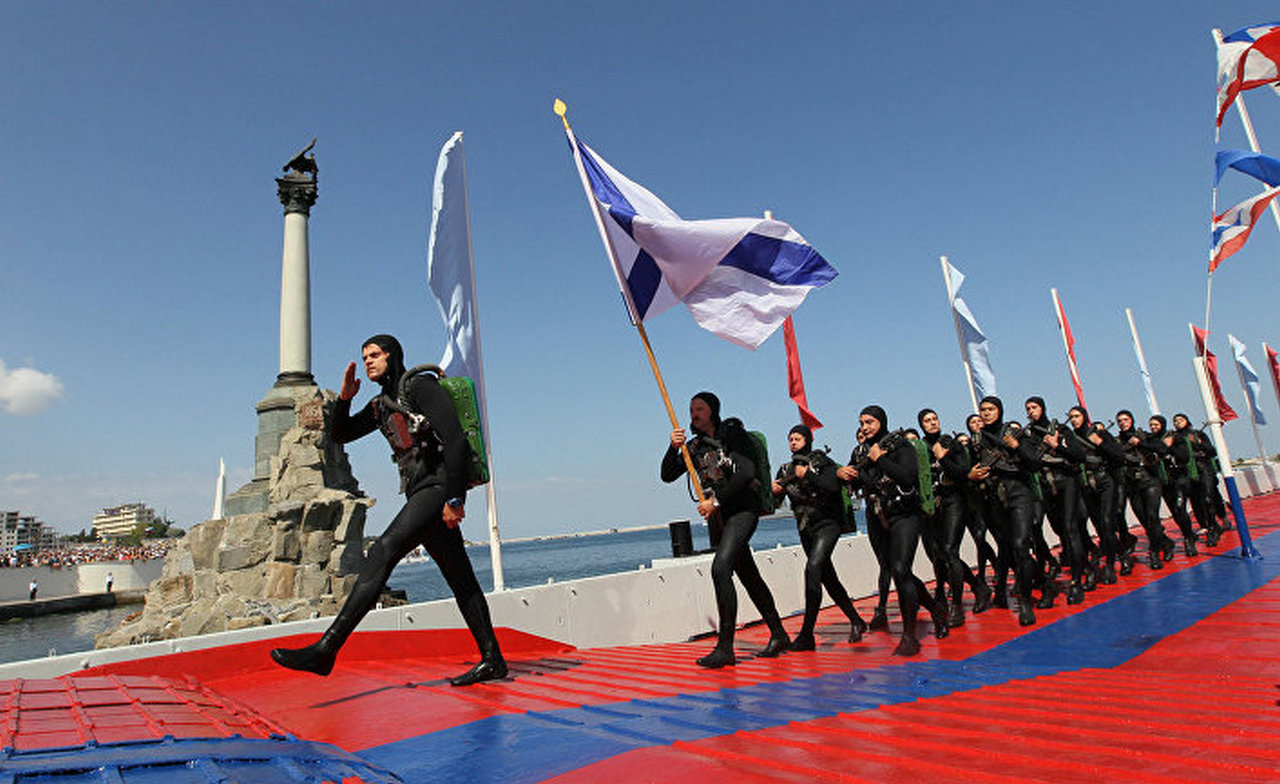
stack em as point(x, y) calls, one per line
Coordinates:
point(560, 109)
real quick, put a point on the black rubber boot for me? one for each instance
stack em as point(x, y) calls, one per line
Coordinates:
point(1047, 595)
point(718, 658)
point(318, 657)
point(489, 669)
point(879, 620)
point(981, 599)
point(1189, 548)
point(857, 628)
point(778, 644)
point(907, 646)
point(1075, 594)
point(804, 641)
point(1026, 615)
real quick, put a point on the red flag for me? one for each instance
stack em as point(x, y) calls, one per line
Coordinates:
point(1070, 342)
point(1211, 365)
point(1274, 364)
point(795, 381)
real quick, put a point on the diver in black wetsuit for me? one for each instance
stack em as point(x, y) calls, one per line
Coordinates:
point(812, 489)
point(1179, 462)
point(1144, 478)
point(1003, 476)
point(430, 449)
point(1201, 476)
point(1101, 489)
point(949, 462)
point(973, 498)
point(886, 470)
point(722, 457)
point(1059, 472)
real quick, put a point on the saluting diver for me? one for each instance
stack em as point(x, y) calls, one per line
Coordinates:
point(431, 451)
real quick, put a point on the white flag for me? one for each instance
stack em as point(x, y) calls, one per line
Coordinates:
point(449, 270)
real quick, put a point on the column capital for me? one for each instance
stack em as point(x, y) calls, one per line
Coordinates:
point(297, 192)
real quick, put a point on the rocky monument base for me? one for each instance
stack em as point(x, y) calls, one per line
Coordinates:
point(295, 560)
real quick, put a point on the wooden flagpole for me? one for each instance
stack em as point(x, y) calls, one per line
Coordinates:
point(562, 111)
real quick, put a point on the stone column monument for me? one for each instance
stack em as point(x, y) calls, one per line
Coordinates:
point(291, 539)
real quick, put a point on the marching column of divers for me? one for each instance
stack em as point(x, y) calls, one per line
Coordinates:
point(998, 476)
point(949, 464)
point(809, 483)
point(722, 456)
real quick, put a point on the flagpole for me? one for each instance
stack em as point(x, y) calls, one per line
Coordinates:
point(1066, 347)
point(1248, 131)
point(955, 319)
point(1247, 550)
point(491, 491)
point(561, 110)
point(1142, 366)
point(1248, 399)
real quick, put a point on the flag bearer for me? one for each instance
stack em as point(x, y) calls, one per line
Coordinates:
point(723, 456)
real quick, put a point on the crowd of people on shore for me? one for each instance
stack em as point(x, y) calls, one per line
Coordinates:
point(997, 479)
point(70, 556)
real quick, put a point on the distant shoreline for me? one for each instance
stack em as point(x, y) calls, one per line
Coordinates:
point(602, 532)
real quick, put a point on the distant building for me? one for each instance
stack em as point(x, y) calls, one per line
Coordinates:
point(119, 521)
point(19, 531)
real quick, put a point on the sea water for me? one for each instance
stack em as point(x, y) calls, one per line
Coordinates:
point(524, 563)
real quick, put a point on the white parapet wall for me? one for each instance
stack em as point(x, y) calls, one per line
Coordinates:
point(670, 601)
point(75, 580)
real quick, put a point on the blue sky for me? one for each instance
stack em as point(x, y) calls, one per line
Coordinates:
point(1037, 145)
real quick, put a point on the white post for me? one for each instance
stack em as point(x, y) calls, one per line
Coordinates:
point(220, 491)
point(1142, 366)
point(955, 318)
point(491, 491)
point(1220, 443)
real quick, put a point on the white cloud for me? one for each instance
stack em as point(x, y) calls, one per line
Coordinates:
point(27, 391)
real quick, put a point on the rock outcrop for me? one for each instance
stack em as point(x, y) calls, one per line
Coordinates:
point(294, 561)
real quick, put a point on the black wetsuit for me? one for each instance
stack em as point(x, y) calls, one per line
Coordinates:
point(428, 480)
point(891, 488)
point(432, 472)
point(948, 523)
point(1203, 487)
point(726, 469)
point(1180, 467)
point(1059, 473)
point(1144, 478)
point(1101, 490)
point(1009, 508)
point(816, 502)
